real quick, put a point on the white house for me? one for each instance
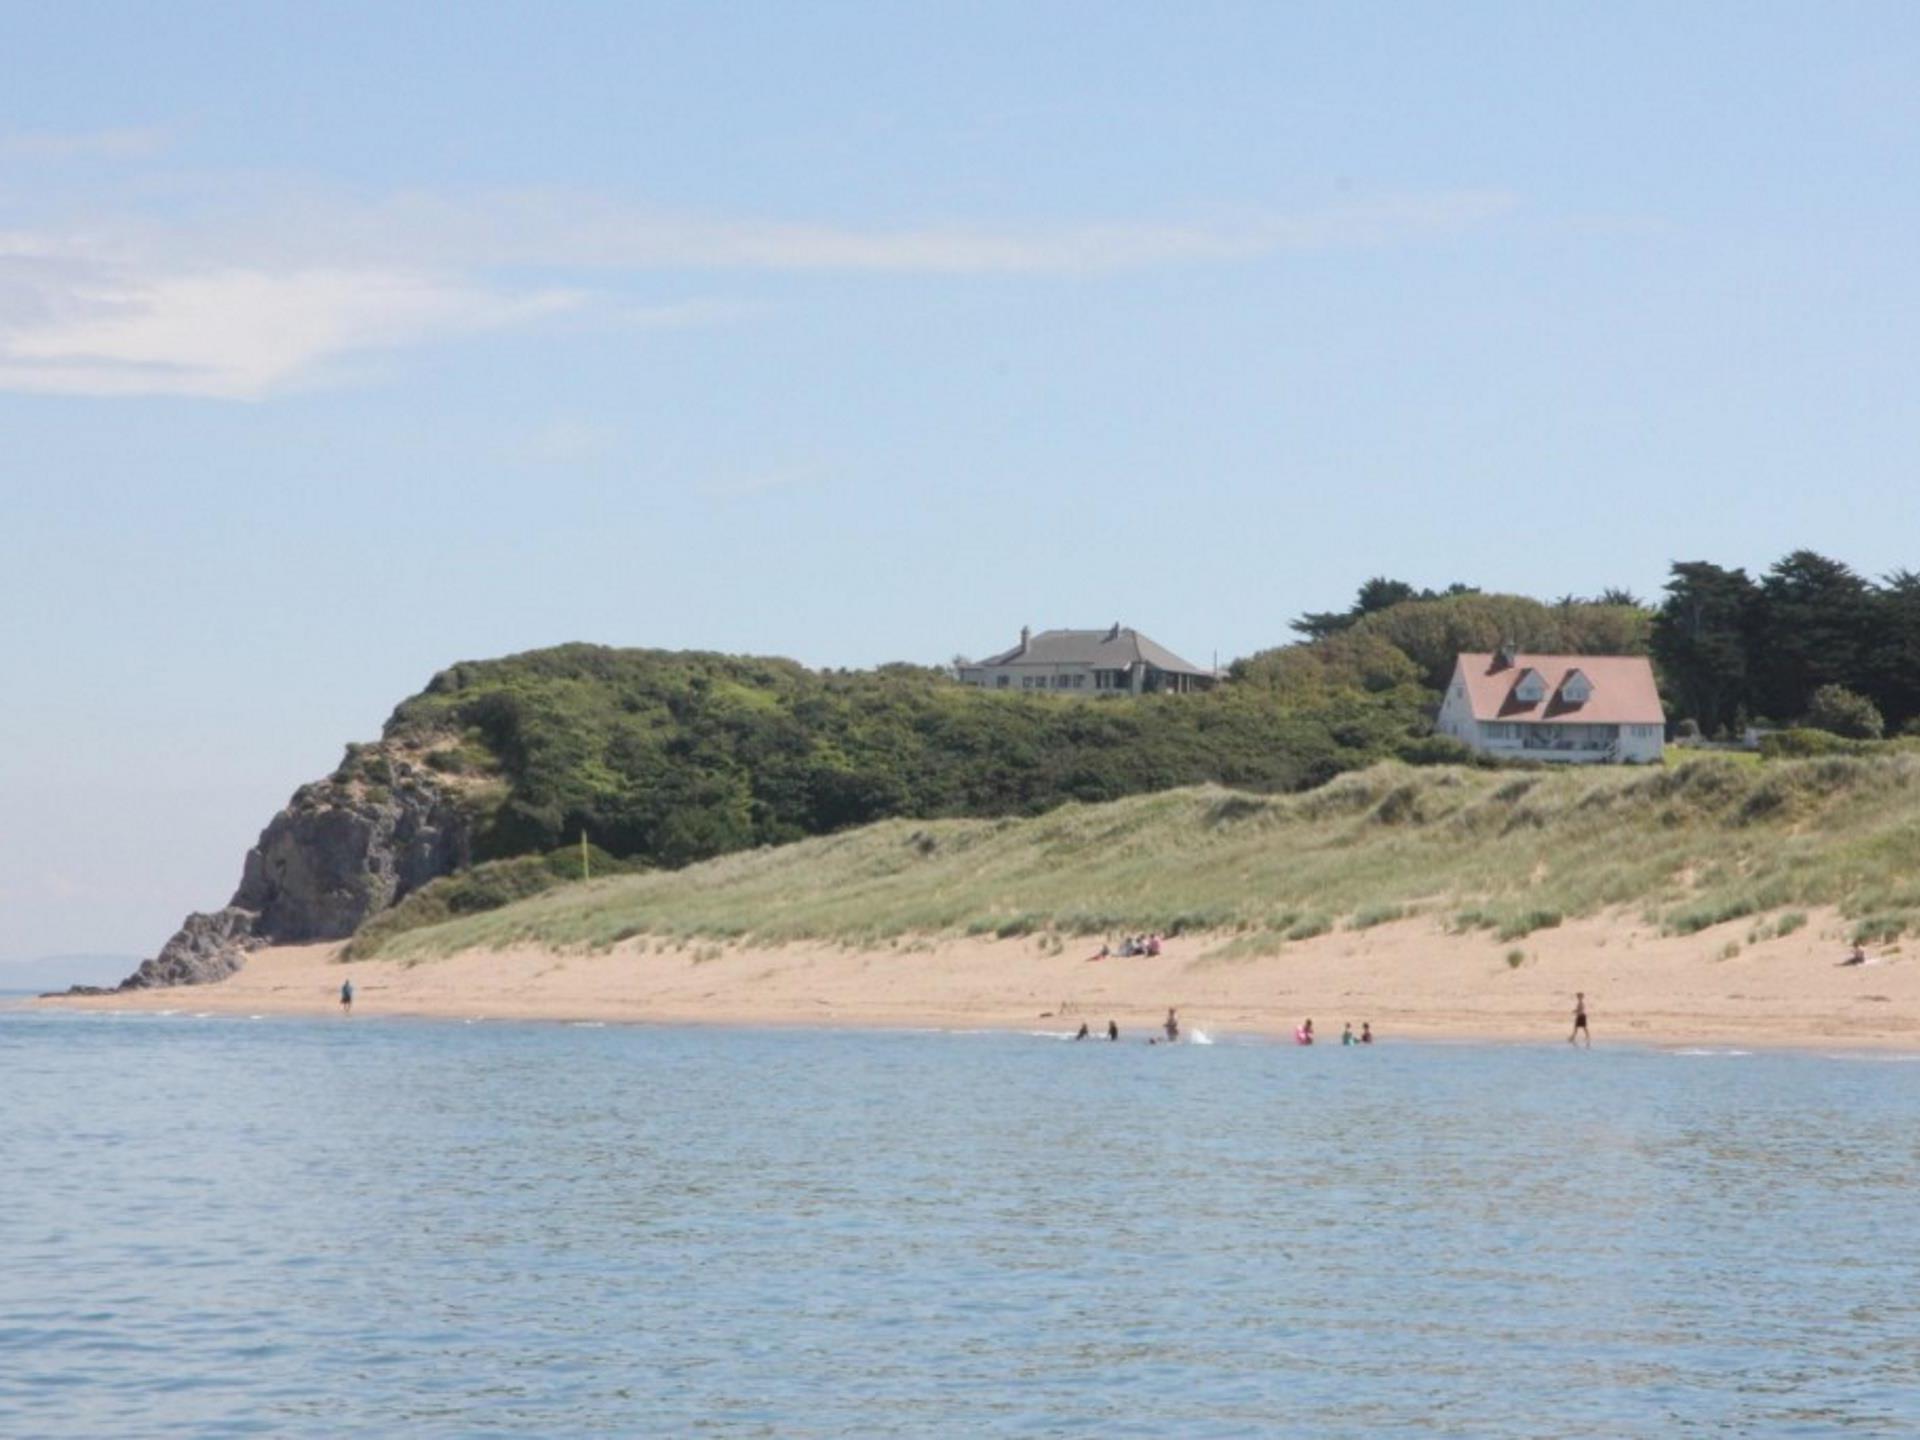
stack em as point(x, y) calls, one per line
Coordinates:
point(1592, 708)
point(1115, 661)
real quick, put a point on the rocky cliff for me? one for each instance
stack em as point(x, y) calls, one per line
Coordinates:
point(343, 849)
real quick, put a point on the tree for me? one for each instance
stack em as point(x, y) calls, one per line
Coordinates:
point(1840, 711)
point(1615, 595)
point(1813, 626)
point(1891, 664)
point(1699, 638)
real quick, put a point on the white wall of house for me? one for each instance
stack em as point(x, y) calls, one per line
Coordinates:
point(1573, 743)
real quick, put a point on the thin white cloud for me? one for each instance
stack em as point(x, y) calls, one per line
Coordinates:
point(228, 333)
point(583, 231)
point(265, 296)
point(125, 144)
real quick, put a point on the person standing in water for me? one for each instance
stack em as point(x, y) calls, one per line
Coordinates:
point(1580, 1020)
point(1113, 1031)
point(1366, 1032)
point(1083, 1031)
point(346, 997)
point(1173, 1026)
point(1346, 1035)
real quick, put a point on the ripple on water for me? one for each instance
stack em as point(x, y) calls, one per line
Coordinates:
point(305, 1229)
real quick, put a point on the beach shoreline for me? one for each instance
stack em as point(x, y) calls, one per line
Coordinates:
point(1409, 979)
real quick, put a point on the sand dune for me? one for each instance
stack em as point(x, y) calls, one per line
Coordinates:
point(1410, 979)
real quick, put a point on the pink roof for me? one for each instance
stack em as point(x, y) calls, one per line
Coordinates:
point(1623, 689)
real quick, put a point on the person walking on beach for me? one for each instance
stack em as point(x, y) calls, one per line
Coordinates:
point(1580, 1020)
point(1113, 1031)
point(346, 997)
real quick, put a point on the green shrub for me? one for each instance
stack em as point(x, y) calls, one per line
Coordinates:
point(1841, 711)
point(1518, 926)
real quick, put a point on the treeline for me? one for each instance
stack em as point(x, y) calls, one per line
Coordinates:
point(1809, 641)
point(671, 756)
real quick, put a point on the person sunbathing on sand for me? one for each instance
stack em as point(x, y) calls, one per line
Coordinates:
point(1858, 957)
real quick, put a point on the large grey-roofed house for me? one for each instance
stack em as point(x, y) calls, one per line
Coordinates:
point(1114, 661)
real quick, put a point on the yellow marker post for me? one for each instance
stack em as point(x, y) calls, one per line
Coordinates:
point(586, 861)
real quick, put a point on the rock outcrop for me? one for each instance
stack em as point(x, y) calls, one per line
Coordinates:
point(343, 849)
point(204, 949)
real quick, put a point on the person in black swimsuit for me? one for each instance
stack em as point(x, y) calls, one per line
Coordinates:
point(1580, 1020)
point(1113, 1031)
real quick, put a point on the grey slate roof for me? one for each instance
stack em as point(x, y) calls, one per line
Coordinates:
point(1116, 648)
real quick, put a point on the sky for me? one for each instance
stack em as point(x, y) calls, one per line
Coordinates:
point(339, 343)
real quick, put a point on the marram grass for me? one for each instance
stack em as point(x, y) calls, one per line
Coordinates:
point(1684, 848)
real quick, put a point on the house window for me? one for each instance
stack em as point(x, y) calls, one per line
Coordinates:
point(1003, 681)
point(1498, 730)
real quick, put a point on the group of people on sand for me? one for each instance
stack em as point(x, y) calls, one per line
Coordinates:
point(1131, 946)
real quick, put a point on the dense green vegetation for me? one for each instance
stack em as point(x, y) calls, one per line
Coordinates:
point(674, 757)
point(1688, 847)
point(1734, 650)
point(664, 759)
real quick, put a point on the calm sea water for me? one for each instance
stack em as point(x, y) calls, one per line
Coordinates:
point(221, 1227)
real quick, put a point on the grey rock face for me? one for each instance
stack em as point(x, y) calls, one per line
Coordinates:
point(335, 856)
point(204, 949)
point(339, 852)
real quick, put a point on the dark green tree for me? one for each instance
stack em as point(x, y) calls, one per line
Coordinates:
point(1699, 640)
point(1812, 625)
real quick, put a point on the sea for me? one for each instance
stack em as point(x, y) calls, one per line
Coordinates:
point(231, 1227)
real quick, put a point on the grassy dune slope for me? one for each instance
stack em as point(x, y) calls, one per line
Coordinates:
point(1685, 847)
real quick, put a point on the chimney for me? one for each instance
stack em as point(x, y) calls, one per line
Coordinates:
point(1114, 633)
point(1026, 636)
point(1504, 657)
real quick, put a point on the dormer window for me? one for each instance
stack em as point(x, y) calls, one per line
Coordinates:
point(1576, 689)
point(1530, 688)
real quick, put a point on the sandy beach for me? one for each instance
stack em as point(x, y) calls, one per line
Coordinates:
point(1410, 979)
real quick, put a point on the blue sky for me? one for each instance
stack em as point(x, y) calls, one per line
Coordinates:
point(341, 342)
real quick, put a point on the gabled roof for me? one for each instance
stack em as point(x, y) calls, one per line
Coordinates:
point(1623, 689)
point(1115, 648)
